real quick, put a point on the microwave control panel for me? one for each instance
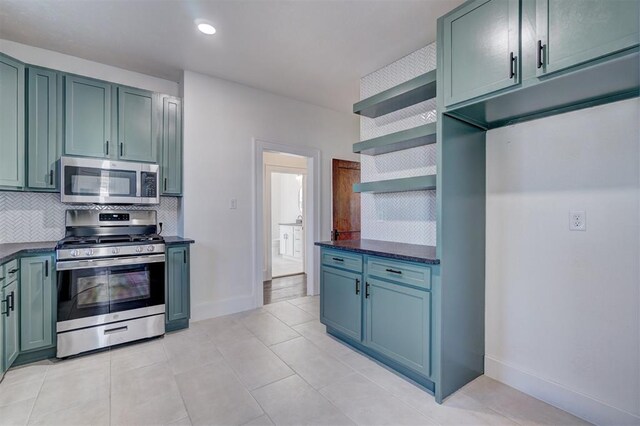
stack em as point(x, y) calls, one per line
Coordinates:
point(149, 187)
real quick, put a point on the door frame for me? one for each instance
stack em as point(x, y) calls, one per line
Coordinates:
point(269, 170)
point(311, 254)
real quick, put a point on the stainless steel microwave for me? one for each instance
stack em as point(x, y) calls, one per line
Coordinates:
point(91, 180)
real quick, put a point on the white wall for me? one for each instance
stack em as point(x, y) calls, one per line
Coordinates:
point(71, 64)
point(220, 120)
point(563, 307)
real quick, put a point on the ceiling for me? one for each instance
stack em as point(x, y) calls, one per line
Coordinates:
point(314, 51)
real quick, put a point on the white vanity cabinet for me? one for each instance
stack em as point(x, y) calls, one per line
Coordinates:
point(291, 240)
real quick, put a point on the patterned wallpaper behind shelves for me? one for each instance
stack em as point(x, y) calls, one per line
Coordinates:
point(34, 216)
point(399, 216)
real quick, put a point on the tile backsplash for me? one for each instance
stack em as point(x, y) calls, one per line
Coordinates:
point(35, 216)
point(399, 216)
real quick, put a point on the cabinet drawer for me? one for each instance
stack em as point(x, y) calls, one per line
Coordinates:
point(405, 273)
point(341, 259)
point(10, 272)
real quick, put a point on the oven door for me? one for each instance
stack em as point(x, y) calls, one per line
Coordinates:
point(87, 180)
point(93, 292)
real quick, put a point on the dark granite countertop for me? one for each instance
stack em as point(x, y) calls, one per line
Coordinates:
point(400, 251)
point(172, 239)
point(10, 251)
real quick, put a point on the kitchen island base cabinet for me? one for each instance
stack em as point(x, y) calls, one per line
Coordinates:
point(177, 288)
point(341, 301)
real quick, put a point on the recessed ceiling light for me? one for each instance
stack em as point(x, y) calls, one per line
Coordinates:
point(206, 28)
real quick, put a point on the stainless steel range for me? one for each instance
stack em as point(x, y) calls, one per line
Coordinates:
point(111, 275)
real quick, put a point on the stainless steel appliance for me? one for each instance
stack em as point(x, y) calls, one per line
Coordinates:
point(91, 180)
point(111, 277)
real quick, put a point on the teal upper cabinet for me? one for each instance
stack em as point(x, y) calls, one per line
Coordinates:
point(171, 166)
point(37, 302)
point(137, 127)
point(42, 130)
point(87, 117)
point(341, 302)
point(572, 32)
point(398, 323)
point(481, 49)
point(177, 290)
point(11, 123)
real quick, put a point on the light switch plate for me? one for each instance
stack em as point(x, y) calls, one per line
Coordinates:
point(233, 204)
point(577, 220)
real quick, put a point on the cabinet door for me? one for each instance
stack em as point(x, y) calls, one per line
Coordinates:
point(171, 146)
point(11, 309)
point(137, 133)
point(571, 32)
point(398, 323)
point(2, 316)
point(42, 141)
point(341, 301)
point(11, 123)
point(177, 283)
point(36, 306)
point(481, 49)
point(87, 117)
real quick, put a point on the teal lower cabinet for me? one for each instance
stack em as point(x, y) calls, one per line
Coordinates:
point(341, 301)
point(398, 323)
point(177, 288)
point(384, 308)
point(37, 306)
point(10, 309)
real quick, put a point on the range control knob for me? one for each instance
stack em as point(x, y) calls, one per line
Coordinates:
point(139, 249)
point(88, 252)
point(75, 252)
point(150, 248)
point(115, 250)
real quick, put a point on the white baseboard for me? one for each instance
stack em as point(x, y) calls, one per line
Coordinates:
point(222, 307)
point(578, 404)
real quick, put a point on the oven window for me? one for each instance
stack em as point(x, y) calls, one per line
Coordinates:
point(99, 291)
point(103, 182)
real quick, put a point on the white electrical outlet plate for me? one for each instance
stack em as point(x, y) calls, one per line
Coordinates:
point(577, 220)
point(233, 204)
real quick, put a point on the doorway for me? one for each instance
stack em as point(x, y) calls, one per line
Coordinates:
point(284, 208)
point(286, 221)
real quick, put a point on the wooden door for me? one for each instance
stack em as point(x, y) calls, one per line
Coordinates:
point(346, 203)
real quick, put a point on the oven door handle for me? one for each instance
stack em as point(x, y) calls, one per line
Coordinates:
point(105, 263)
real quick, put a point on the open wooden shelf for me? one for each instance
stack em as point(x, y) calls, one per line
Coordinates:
point(401, 96)
point(418, 183)
point(405, 139)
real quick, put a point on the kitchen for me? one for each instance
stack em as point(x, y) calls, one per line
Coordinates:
point(495, 208)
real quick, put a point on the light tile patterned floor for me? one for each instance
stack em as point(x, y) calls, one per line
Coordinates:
point(274, 365)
